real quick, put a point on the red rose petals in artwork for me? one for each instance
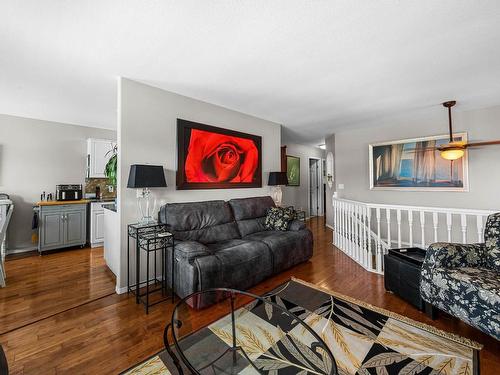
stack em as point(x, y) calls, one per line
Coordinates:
point(215, 157)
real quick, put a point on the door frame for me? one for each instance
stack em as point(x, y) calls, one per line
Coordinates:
point(321, 211)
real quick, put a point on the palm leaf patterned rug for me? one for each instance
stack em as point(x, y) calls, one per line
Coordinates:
point(362, 338)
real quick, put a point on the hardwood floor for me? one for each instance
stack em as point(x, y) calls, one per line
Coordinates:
point(41, 286)
point(112, 333)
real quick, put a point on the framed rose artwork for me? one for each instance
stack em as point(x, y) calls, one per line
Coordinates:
point(210, 157)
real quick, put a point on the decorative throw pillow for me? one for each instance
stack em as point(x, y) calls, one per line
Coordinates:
point(277, 218)
point(492, 239)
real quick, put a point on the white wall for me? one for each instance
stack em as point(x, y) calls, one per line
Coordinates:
point(35, 156)
point(351, 154)
point(147, 123)
point(297, 196)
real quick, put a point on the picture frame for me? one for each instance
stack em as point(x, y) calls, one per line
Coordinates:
point(293, 170)
point(415, 165)
point(210, 157)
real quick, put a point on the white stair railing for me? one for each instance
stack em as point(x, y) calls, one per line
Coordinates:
point(365, 231)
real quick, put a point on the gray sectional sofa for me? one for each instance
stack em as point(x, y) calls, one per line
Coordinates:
point(225, 244)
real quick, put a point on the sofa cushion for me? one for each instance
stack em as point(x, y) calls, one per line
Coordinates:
point(482, 281)
point(472, 294)
point(204, 222)
point(189, 250)
point(288, 248)
point(250, 213)
point(296, 225)
point(251, 208)
point(250, 226)
point(235, 264)
point(492, 239)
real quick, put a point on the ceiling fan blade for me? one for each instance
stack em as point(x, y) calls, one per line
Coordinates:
point(421, 149)
point(485, 143)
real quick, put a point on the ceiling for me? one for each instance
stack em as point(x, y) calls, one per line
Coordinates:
point(313, 66)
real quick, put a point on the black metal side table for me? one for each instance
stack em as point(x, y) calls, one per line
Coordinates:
point(151, 238)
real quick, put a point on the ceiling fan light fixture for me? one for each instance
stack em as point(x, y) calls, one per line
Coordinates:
point(452, 153)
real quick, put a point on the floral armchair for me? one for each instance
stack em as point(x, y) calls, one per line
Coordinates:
point(464, 280)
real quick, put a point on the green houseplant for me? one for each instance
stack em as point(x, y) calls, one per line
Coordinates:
point(110, 169)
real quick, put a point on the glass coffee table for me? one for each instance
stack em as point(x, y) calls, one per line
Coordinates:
point(254, 336)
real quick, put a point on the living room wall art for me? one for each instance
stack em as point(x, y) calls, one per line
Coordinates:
point(210, 157)
point(293, 170)
point(415, 165)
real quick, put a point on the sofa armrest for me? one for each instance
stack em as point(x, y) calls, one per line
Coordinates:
point(190, 250)
point(296, 225)
point(453, 255)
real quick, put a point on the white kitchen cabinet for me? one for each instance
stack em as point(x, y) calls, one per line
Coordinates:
point(99, 151)
point(112, 240)
point(96, 224)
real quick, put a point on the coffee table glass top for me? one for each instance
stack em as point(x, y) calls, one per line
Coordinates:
point(254, 336)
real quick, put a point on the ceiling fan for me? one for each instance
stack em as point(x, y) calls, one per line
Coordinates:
point(454, 150)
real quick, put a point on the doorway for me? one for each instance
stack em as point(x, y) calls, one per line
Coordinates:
point(314, 187)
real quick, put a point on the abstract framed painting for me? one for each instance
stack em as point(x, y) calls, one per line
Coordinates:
point(209, 157)
point(415, 165)
point(293, 170)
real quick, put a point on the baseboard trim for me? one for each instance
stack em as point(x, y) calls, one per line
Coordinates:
point(19, 251)
point(329, 226)
point(121, 290)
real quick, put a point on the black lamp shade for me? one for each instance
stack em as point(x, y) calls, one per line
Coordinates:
point(146, 176)
point(277, 178)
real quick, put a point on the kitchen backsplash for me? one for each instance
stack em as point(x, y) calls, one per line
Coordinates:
point(92, 183)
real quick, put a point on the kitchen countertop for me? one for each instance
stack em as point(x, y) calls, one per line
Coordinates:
point(111, 207)
point(101, 200)
point(59, 203)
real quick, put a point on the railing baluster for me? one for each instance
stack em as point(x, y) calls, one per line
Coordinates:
point(479, 224)
point(356, 230)
point(435, 223)
point(463, 222)
point(388, 218)
point(378, 257)
point(335, 228)
point(369, 237)
point(398, 218)
point(342, 225)
point(333, 224)
point(422, 228)
point(410, 225)
point(350, 229)
point(449, 222)
point(365, 248)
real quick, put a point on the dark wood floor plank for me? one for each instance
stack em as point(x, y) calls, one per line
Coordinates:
point(113, 333)
point(41, 286)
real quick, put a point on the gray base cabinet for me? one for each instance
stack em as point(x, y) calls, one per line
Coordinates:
point(62, 226)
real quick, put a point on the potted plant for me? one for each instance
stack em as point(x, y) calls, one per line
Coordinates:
point(111, 166)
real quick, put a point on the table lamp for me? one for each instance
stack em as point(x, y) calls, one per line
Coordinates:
point(276, 180)
point(145, 177)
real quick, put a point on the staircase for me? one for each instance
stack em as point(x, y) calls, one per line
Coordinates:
point(366, 231)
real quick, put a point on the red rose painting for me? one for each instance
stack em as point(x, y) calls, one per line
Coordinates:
point(212, 157)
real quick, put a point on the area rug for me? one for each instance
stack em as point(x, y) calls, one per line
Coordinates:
point(363, 339)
